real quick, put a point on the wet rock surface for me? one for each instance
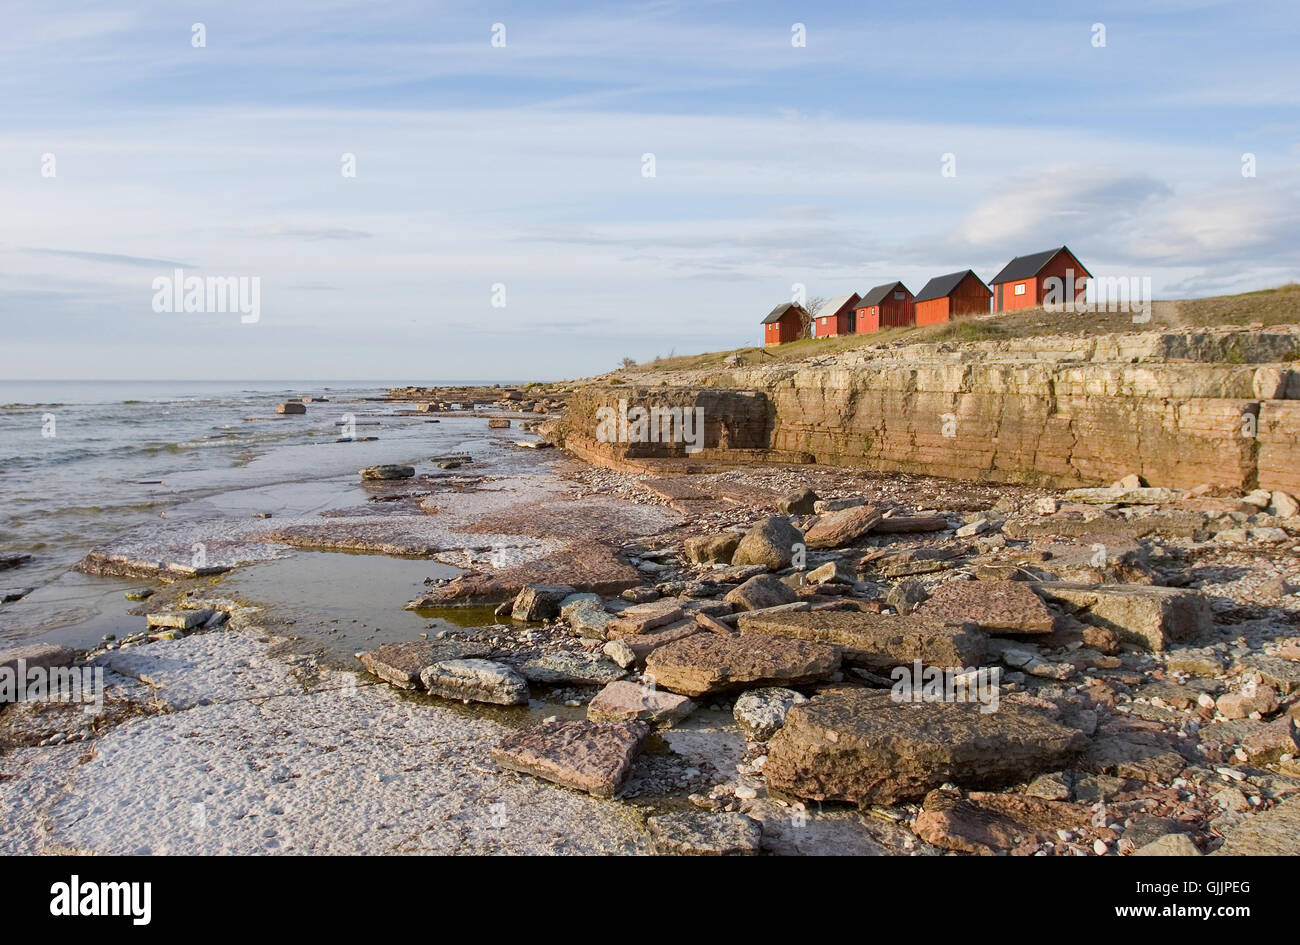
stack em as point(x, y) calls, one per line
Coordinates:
point(400, 664)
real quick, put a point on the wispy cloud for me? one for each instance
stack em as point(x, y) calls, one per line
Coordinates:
point(521, 166)
point(111, 259)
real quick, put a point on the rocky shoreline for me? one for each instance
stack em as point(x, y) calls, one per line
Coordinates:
point(706, 665)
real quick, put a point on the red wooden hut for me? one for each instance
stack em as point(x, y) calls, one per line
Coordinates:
point(1023, 282)
point(947, 297)
point(836, 316)
point(787, 322)
point(886, 306)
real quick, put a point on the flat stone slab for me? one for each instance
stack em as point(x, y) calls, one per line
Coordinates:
point(1171, 844)
point(179, 620)
point(213, 668)
point(475, 681)
point(1283, 675)
point(986, 824)
point(642, 617)
point(643, 644)
point(696, 833)
point(859, 745)
point(1121, 496)
point(399, 664)
point(570, 669)
point(999, 607)
point(710, 662)
point(628, 702)
point(1199, 661)
point(836, 529)
point(917, 561)
point(877, 641)
point(594, 757)
point(907, 524)
point(1149, 616)
point(1273, 832)
point(586, 567)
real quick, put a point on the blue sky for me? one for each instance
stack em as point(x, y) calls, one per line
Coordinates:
point(479, 165)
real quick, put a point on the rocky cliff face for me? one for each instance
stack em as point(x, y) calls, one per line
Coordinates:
point(1218, 406)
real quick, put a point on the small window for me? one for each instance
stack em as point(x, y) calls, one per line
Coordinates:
point(1020, 288)
point(900, 295)
point(823, 321)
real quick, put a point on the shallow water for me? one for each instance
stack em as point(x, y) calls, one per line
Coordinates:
point(346, 602)
point(82, 465)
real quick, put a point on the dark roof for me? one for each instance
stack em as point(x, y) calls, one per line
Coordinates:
point(940, 286)
point(776, 313)
point(880, 293)
point(1026, 267)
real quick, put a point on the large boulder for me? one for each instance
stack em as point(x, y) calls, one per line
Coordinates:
point(860, 745)
point(710, 662)
point(770, 543)
point(877, 641)
point(1152, 617)
point(711, 549)
point(539, 601)
point(587, 756)
point(764, 590)
point(799, 502)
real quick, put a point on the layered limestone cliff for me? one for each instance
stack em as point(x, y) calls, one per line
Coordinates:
point(1216, 406)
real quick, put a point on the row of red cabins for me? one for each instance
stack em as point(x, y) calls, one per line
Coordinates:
point(1022, 283)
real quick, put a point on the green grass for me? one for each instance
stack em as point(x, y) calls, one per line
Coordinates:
point(1276, 306)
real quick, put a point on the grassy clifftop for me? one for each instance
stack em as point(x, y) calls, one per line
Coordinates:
point(1279, 306)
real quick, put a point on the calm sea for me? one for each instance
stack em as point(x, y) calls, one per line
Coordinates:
point(82, 462)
